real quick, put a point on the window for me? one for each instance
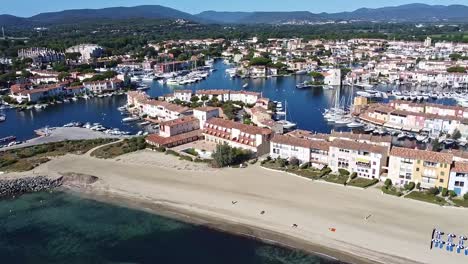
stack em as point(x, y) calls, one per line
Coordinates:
point(441, 180)
point(442, 173)
point(417, 169)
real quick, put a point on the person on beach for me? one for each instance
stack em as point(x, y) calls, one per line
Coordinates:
point(262, 212)
point(294, 225)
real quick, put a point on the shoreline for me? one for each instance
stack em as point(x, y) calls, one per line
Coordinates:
point(397, 232)
point(220, 225)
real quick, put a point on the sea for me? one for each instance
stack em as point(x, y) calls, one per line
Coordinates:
point(61, 227)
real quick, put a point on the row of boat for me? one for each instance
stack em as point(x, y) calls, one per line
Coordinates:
point(340, 117)
point(192, 77)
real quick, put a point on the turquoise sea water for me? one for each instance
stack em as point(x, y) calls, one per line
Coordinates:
point(63, 228)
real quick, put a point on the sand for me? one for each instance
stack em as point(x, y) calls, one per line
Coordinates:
point(398, 230)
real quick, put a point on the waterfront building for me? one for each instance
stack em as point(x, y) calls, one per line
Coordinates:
point(429, 168)
point(43, 79)
point(287, 147)
point(75, 90)
point(366, 160)
point(305, 150)
point(99, 87)
point(143, 105)
point(36, 94)
point(332, 77)
point(178, 126)
point(182, 95)
point(459, 178)
point(255, 139)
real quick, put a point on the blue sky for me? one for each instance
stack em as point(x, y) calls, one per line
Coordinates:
point(27, 8)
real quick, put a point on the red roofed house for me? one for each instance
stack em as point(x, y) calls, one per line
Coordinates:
point(176, 132)
point(238, 135)
point(458, 181)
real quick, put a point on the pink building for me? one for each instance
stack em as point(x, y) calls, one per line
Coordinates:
point(178, 126)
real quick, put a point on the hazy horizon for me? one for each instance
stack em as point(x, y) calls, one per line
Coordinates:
point(27, 8)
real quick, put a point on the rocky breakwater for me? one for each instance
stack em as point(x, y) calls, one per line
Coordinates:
point(14, 187)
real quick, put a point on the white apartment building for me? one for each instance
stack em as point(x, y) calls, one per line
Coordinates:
point(99, 87)
point(87, 51)
point(178, 126)
point(238, 135)
point(366, 160)
point(205, 113)
point(305, 150)
point(332, 77)
point(458, 181)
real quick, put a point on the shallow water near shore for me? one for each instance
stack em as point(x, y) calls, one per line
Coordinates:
point(63, 228)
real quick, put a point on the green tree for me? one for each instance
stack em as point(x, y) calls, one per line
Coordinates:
point(226, 155)
point(194, 99)
point(456, 134)
point(456, 69)
point(63, 75)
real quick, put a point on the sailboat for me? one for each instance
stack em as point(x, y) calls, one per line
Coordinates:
point(285, 123)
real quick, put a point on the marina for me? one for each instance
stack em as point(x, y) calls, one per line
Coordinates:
point(317, 109)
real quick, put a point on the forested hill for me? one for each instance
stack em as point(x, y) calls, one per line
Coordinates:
point(403, 13)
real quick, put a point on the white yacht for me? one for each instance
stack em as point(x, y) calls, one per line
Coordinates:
point(2, 117)
point(130, 119)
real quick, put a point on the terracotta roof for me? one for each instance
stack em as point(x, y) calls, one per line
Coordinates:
point(242, 127)
point(460, 167)
point(459, 153)
point(425, 155)
point(366, 137)
point(299, 133)
point(212, 92)
point(164, 141)
point(183, 91)
point(41, 90)
point(178, 121)
point(291, 141)
point(354, 145)
point(206, 108)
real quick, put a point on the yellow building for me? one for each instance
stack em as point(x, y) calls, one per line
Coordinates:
point(430, 169)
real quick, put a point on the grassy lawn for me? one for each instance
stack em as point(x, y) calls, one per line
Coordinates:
point(309, 173)
point(362, 182)
point(25, 159)
point(392, 191)
point(460, 202)
point(426, 197)
point(339, 179)
point(191, 151)
point(120, 148)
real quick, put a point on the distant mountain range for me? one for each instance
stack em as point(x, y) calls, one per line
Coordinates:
point(403, 13)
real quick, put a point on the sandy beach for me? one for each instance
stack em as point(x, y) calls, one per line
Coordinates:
point(397, 231)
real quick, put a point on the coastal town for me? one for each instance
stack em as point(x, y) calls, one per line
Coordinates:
point(246, 120)
point(286, 131)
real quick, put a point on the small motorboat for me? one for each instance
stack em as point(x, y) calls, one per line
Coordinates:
point(421, 138)
point(130, 119)
point(449, 142)
point(369, 129)
point(401, 136)
point(355, 124)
